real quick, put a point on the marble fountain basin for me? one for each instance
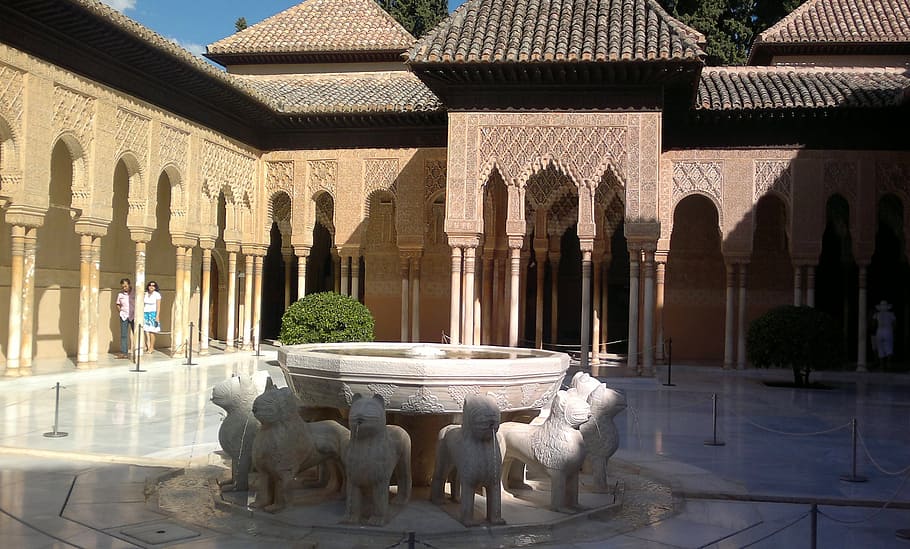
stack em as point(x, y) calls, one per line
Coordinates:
point(422, 378)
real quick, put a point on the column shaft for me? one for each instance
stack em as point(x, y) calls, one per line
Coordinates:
point(797, 285)
point(862, 328)
point(204, 321)
point(14, 336)
point(634, 265)
point(187, 292)
point(595, 325)
point(741, 321)
point(85, 296)
point(514, 294)
point(355, 277)
point(230, 337)
point(404, 270)
point(659, 312)
point(247, 301)
point(455, 307)
point(301, 274)
point(554, 298)
point(28, 297)
point(487, 298)
point(605, 297)
point(538, 302)
point(810, 285)
point(647, 357)
point(139, 285)
point(257, 299)
point(345, 275)
point(286, 263)
point(728, 316)
point(177, 338)
point(585, 308)
point(415, 299)
point(95, 281)
point(336, 272)
point(468, 311)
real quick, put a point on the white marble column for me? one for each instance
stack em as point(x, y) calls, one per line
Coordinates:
point(415, 298)
point(598, 312)
point(95, 281)
point(514, 291)
point(810, 285)
point(554, 296)
point(14, 335)
point(405, 272)
point(647, 355)
point(634, 265)
point(177, 339)
point(741, 319)
point(286, 263)
point(468, 306)
point(478, 289)
point(139, 285)
point(345, 275)
point(230, 336)
point(605, 302)
point(302, 253)
point(28, 297)
point(355, 276)
point(797, 284)
point(85, 297)
point(541, 258)
point(187, 290)
point(486, 300)
point(247, 301)
point(257, 299)
point(206, 299)
point(862, 328)
point(455, 307)
point(523, 262)
point(659, 308)
point(336, 271)
point(728, 316)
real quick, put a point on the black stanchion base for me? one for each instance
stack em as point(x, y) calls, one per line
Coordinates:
point(715, 443)
point(56, 434)
point(903, 534)
point(669, 385)
point(853, 478)
point(138, 371)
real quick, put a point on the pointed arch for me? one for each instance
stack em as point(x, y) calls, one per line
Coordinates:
point(80, 187)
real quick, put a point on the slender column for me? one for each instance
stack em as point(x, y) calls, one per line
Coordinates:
point(469, 265)
point(187, 292)
point(286, 262)
point(139, 285)
point(810, 285)
point(85, 296)
point(514, 292)
point(541, 256)
point(247, 300)
point(257, 298)
point(862, 328)
point(177, 321)
point(345, 275)
point(95, 281)
point(28, 297)
point(14, 336)
point(797, 284)
point(336, 271)
point(634, 262)
point(728, 316)
point(478, 288)
point(231, 335)
point(355, 276)
point(498, 329)
point(486, 300)
point(415, 298)
point(303, 254)
point(659, 309)
point(585, 308)
point(404, 264)
point(741, 322)
point(455, 308)
point(648, 316)
point(554, 297)
point(524, 260)
point(206, 299)
point(595, 326)
point(605, 297)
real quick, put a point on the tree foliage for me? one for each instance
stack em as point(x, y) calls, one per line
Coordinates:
point(240, 24)
point(326, 317)
point(729, 26)
point(801, 338)
point(416, 16)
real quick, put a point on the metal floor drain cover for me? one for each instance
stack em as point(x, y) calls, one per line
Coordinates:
point(158, 533)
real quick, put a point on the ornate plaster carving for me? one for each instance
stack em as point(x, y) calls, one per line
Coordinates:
point(173, 145)
point(772, 175)
point(74, 112)
point(893, 177)
point(697, 176)
point(380, 174)
point(133, 133)
point(11, 93)
point(279, 177)
point(227, 167)
point(323, 175)
point(422, 402)
point(434, 177)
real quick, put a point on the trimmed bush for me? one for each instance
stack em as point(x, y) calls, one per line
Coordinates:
point(326, 317)
point(801, 338)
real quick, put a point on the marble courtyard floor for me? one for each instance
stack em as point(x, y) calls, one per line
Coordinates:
point(137, 465)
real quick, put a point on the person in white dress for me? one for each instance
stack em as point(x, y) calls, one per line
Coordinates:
point(151, 300)
point(884, 331)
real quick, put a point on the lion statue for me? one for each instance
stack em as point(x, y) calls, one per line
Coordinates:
point(286, 446)
point(583, 384)
point(235, 396)
point(556, 446)
point(600, 433)
point(473, 449)
point(375, 452)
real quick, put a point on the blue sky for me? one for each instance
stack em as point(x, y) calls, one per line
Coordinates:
point(195, 23)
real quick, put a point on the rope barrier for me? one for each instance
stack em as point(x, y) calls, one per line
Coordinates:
point(862, 443)
point(875, 513)
point(770, 430)
point(779, 530)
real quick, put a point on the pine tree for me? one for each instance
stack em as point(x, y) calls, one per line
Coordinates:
point(240, 24)
point(416, 16)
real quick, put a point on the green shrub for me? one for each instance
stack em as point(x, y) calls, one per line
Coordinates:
point(801, 338)
point(326, 317)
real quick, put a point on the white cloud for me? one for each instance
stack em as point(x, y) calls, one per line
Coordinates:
point(195, 49)
point(121, 5)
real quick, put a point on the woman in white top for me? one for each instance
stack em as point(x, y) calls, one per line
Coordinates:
point(152, 301)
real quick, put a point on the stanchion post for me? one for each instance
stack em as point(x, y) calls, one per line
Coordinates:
point(55, 433)
point(669, 382)
point(813, 526)
point(714, 441)
point(189, 348)
point(412, 540)
point(852, 476)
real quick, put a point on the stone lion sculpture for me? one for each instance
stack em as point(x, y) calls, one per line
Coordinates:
point(376, 451)
point(600, 433)
point(473, 450)
point(556, 446)
point(235, 396)
point(583, 384)
point(286, 445)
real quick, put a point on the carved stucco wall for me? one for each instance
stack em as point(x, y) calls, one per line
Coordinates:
point(583, 146)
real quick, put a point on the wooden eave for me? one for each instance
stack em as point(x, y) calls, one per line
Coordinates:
point(286, 58)
point(763, 52)
point(362, 130)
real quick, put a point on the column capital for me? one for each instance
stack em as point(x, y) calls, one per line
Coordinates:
point(91, 226)
point(183, 240)
point(464, 240)
point(25, 215)
point(140, 234)
point(254, 250)
point(207, 242)
point(304, 251)
point(516, 242)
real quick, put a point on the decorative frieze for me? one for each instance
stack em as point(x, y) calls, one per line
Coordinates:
point(434, 177)
point(11, 92)
point(840, 176)
point(74, 112)
point(228, 167)
point(698, 176)
point(172, 146)
point(562, 214)
point(380, 174)
point(323, 175)
point(893, 177)
point(10, 183)
point(279, 177)
point(772, 175)
point(423, 402)
point(545, 185)
point(325, 212)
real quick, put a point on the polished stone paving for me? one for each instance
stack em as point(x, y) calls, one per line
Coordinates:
point(783, 450)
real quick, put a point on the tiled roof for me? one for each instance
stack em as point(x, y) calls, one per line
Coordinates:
point(392, 92)
point(482, 31)
point(320, 26)
point(843, 21)
point(754, 88)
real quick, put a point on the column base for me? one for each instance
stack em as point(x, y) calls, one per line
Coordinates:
point(861, 368)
